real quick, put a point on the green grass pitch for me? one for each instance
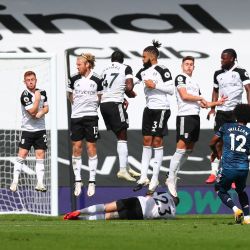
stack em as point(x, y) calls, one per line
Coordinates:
point(186, 232)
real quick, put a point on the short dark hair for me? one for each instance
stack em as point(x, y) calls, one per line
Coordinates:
point(153, 49)
point(242, 113)
point(232, 52)
point(191, 58)
point(117, 56)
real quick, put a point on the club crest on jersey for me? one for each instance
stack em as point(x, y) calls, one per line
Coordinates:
point(26, 99)
point(246, 74)
point(180, 79)
point(167, 75)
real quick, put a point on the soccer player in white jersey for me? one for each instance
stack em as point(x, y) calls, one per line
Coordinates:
point(84, 92)
point(189, 100)
point(118, 79)
point(158, 84)
point(229, 81)
point(34, 106)
point(156, 206)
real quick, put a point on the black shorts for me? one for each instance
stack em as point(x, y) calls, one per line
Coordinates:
point(155, 122)
point(84, 128)
point(188, 128)
point(114, 116)
point(223, 117)
point(37, 139)
point(129, 209)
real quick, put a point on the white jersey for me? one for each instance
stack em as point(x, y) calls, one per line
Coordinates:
point(230, 83)
point(84, 90)
point(114, 78)
point(192, 88)
point(157, 98)
point(27, 101)
point(158, 206)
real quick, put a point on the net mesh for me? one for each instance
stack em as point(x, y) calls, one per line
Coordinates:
point(25, 199)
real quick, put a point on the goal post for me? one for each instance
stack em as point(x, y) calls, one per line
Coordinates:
point(26, 199)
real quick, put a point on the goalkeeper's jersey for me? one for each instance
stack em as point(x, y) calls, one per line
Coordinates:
point(28, 122)
point(158, 206)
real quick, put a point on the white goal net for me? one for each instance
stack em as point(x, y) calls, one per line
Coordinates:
point(26, 199)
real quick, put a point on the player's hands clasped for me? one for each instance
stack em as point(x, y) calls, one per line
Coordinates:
point(149, 84)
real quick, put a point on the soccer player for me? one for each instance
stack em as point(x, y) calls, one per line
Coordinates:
point(229, 81)
point(158, 84)
point(34, 105)
point(157, 206)
point(189, 100)
point(84, 92)
point(117, 80)
point(234, 161)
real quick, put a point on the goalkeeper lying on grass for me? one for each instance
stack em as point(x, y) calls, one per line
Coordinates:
point(158, 206)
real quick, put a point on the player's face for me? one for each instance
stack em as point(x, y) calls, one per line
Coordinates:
point(188, 67)
point(30, 82)
point(82, 66)
point(227, 61)
point(146, 59)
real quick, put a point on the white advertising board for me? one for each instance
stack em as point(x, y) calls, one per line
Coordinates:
point(199, 28)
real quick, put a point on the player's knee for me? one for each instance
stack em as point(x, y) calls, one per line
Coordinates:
point(147, 140)
point(157, 142)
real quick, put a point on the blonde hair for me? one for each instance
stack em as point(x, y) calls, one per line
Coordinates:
point(89, 58)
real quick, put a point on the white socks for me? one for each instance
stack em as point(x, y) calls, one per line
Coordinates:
point(17, 169)
point(93, 209)
point(157, 163)
point(146, 157)
point(215, 166)
point(93, 217)
point(39, 170)
point(179, 157)
point(122, 150)
point(93, 161)
point(77, 163)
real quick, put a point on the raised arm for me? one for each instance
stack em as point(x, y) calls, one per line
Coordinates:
point(34, 110)
point(42, 112)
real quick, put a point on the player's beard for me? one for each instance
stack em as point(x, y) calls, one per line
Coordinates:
point(147, 64)
point(227, 66)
